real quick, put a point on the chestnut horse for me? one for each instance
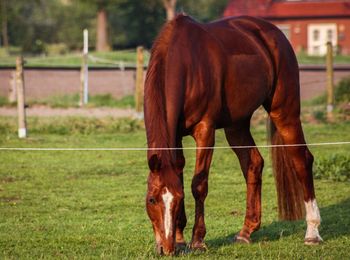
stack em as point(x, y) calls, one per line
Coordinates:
point(202, 77)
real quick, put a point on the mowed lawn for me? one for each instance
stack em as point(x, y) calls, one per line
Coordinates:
point(90, 204)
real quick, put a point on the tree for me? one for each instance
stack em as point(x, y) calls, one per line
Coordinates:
point(135, 22)
point(203, 10)
point(4, 34)
point(102, 26)
point(170, 7)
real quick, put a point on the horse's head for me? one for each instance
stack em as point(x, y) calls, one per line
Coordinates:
point(163, 200)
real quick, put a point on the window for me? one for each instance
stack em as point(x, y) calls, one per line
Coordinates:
point(285, 28)
point(329, 35)
point(316, 35)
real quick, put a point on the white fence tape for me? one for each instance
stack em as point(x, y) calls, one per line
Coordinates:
point(160, 148)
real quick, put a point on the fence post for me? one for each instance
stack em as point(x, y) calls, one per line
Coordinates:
point(84, 91)
point(139, 81)
point(12, 96)
point(330, 81)
point(22, 124)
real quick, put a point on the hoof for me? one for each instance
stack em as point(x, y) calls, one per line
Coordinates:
point(241, 240)
point(198, 246)
point(311, 241)
point(181, 248)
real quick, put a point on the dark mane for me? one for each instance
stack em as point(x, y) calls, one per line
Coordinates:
point(154, 100)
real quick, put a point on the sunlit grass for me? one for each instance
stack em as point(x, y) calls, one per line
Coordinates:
point(84, 204)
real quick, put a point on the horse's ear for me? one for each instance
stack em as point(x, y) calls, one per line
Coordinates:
point(154, 163)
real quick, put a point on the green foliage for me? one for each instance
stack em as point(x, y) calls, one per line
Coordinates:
point(56, 49)
point(74, 125)
point(3, 101)
point(341, 94)
point(202, 10)
point(335, 167)
point(35, 25)
point(135, 22)
point(319, 115)
point(342, 91)
point(108, 101)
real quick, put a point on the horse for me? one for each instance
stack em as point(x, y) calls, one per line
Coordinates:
point(202, 77)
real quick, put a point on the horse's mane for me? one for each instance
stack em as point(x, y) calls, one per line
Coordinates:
point(154, 99)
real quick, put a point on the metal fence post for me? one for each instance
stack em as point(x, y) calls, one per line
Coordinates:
point(84, 87)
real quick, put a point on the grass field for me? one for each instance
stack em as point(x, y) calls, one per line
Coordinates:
point(88, 204)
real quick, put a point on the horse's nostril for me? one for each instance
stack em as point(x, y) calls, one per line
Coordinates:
point(160, 250)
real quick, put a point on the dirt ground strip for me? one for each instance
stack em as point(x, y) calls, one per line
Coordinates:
point(44, 83)
point(43, 111)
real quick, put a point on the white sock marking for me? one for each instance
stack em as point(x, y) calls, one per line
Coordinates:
point(313, 220)
point(167, 199)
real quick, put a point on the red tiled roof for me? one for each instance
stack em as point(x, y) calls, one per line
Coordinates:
point(279, 9)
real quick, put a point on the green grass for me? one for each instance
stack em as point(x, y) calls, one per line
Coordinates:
point(83, 204)
point(337, 59)
point(107, 59)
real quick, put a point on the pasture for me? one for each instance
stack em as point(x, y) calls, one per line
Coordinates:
point(90, 204)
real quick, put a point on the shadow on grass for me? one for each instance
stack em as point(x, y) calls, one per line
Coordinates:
point(335, 223)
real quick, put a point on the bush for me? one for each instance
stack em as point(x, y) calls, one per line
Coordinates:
point(84, 125)
point(335, 168)
point(319, 115)
point(57, 49)
point(342, 91)
point(36, 47)
point(341, 94)
point(3, 101)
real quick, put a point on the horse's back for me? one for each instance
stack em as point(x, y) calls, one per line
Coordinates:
point(222, 70)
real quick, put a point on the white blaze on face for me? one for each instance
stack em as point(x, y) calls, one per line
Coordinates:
point(313, 219)
point(167, 199)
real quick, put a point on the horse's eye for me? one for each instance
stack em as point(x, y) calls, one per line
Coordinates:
point(152, 200)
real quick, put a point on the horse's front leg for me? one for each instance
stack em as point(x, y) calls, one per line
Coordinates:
point(204, 135)
point(181, 220)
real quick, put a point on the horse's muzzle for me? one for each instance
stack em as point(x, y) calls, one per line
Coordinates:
point(165, 251)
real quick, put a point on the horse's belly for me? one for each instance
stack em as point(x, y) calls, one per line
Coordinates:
point(248, 83)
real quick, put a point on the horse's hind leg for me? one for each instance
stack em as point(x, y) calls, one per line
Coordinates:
point(290, 130)
point(251, 164)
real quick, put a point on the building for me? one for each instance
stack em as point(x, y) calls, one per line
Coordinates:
point(308, 24)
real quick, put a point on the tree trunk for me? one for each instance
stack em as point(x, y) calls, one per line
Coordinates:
point(102, 34)
point(5, 39)
point(169, 6)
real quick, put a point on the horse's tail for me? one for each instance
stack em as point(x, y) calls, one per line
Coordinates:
point(289, 195)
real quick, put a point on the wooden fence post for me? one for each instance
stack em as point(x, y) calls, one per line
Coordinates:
point(330, 81)
point(22, 123)
point(139, 81)
point(12, 96)
point(84, 92)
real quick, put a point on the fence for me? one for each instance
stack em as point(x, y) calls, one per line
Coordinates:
point(129, 78)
